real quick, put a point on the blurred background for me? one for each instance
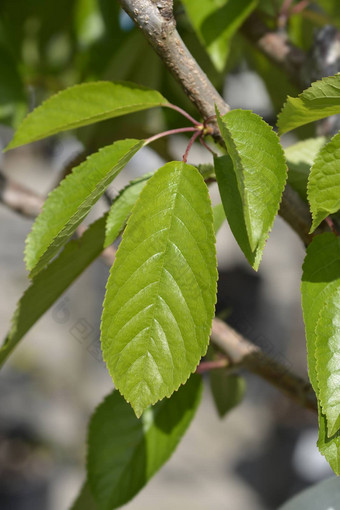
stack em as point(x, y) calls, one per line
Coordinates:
point(263, 451)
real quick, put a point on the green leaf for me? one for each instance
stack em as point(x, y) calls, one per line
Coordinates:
point(329, 446)
point(324, 494)
point(252, 185)
point(324, 182)
point(82, 105)
point(124, 452)
point(48, 286)
point(321, 276)
point(320, 100)
point(161, 292)
point(215, 22)
point(85, 500)
point(227, 390)
point(67, 205)
point(219, 217)
point(327, 353)
point(121, 208)
point(300, 157)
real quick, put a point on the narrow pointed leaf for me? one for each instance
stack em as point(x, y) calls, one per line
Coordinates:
point(124, 452)
point(121, 208)
point(227, 389)
point(48, 285)
point(300, 157)
point(82, 105)
point(324, 182)
point(67, 205)
point(215, 22)
point(327, 354)
point(161, 292)
point(257, 178)
point(320, 100)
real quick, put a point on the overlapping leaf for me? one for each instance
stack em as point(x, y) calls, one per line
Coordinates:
point(300, 157)
point(327, 352)
point(84, 104)
point(251, 179)
point(121, 208)
point(320, 100)
point(324, 182)
point(124, 452)
point(321, 277)
point(48, 285)
point(67, 206)
point(227, 389)
point(161, 291)
point(215, 22)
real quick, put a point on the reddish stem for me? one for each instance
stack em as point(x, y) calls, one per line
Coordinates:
point(190, 144)
point(184, 113)
point(205, 366)
point(299, 7)
point(170, 132)
point(207, 146)
point(331, 225)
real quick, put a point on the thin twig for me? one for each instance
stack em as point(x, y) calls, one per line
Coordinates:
point(184, 113)
point(190, 144)
point(243, 353)
point(176, 131)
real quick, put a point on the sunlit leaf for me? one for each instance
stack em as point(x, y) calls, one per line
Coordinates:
point(324, 182)
point(84, 104)
point(320, 100)
point(124, 452)
point(161, 292)
point(251, 181)
point(67, 206)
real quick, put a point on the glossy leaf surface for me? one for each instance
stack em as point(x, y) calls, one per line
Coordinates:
point(327, 354)
point(82, 105)
point(67, 205)
point(324, 182)
point(161, 292)
point(124, 452)
point(251, 187)
point(320, 100)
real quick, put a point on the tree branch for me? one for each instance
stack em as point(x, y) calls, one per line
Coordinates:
point(19, 198)
point(160, 30)
point(243, 353)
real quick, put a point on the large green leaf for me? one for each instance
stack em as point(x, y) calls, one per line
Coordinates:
point(124, 452)
point(251, 181)
point(82, 105)
point(321, 277)
point(327, 352)
point(121, 208)
point(324, 182)
point(215, 22)
point(300, 157)
point(320, 100)
point(67, 205)
point(48, 285)
point(161, 292)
